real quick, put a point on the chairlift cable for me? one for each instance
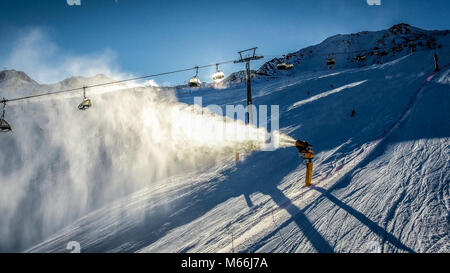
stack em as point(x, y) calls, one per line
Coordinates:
point(161, 74)
point(109, 83)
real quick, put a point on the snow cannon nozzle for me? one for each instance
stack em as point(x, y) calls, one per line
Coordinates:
point(302, 146)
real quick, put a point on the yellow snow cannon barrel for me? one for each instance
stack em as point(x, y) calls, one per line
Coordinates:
point(309, 167)
point(308, 177)
point(308, 154)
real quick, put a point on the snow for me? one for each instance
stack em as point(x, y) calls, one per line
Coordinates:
point(324, 94)
point(380, 177)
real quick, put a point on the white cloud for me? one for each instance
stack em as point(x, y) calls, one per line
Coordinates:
point(43, 60)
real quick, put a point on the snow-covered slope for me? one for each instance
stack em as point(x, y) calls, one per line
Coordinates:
point(381, 178)
point(377, 47)
point(238, 77)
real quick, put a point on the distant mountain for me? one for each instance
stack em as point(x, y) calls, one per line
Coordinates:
point(14, 74)
point(79, 81)
point(15, 77)
point(239, 76)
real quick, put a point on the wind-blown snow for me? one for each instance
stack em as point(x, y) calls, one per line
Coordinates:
point(60, 163)
point(324, 94)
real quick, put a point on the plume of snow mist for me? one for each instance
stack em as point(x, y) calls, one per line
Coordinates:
point(60, 163)
point(286, 141)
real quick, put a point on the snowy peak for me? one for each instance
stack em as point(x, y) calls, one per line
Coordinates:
point(14, 77)
point(13, 83)
point(78, 81)
point(17, 83)
point(360, 49)
point(7, 75)
point(403, 28)
point(239, 76)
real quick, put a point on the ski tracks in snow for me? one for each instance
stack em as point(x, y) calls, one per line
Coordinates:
point(340, 170)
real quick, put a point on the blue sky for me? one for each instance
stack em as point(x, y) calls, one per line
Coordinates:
point(51, 40)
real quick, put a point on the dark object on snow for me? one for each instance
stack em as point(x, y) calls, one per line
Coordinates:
point(436, 64)
point(353, 113)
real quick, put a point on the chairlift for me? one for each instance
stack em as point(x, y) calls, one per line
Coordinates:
point(284, 66)
point(86, 103)
point(4, 125)
point(195, 81)
point(218, 76)
point(331, 61)
point(360, 58)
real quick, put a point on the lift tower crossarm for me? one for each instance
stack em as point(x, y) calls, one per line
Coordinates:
point(246, 60)
point(249, 58)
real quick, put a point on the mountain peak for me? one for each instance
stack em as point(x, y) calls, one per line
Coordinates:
point(401, 25)
point(403, 28)
point(82, 80)
point(14, 74)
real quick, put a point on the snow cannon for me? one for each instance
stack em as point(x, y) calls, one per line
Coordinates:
point(308, 155)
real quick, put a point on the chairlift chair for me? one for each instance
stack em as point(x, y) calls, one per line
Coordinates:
point(284, 66)
point(195, 81)
point(86, 103)
point(218, 76)
point(360, 58)
point(331, 61)
point(4, 125)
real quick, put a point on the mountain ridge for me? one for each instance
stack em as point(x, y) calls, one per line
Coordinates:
point(359, 49)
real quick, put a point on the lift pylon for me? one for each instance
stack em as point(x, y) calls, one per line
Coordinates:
point(246, 59)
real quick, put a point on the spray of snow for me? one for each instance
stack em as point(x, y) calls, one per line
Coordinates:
point(59, 163)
